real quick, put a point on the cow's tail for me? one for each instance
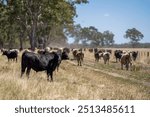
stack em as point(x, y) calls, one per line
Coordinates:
point(23, 65)
point(56, 61)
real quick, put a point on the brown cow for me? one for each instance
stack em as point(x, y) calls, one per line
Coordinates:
point(79, 57)
point(74, 53)
point(126, 60)
point(106, 57)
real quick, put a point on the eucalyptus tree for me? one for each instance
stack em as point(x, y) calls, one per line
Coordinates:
point(134, 35)
point(35, 18)
point(108, 38)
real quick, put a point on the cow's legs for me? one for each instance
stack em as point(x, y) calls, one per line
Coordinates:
point(80, 63)
point(48, 76)
point(23, 70)
point(52, 76)
point(16, 59)
point(28, 72)
point(127, 66)
point(49, 73)
point(122, 66)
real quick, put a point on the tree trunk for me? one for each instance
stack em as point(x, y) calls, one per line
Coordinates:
point(21, 40)
point(32, 36)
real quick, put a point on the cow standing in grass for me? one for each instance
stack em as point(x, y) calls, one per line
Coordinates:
point(98, 56)
point(106, 57)
point(39, 62)
point(80, 56)
point(118, 54)
point(11, 54)
point(126, 60)
point(74, 53)
point(134, 55)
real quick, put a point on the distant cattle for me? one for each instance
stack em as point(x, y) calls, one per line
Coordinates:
point(67, 50)
point(118, 54)
point(39, 62)
point(74, 53)
point(108, 50)
point(79, 57)
point(11, 54)
point(106, 57)
point(98, 56)
point(95, 50)
point(90, 49)
point(63, 55)
point(126, 60)
point(134, 55)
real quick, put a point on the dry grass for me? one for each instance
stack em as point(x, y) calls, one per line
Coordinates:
point(71, 82)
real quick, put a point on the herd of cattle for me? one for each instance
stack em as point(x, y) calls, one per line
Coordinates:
point(49, 59)
point(124, 57)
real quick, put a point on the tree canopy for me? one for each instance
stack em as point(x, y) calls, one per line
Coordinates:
point(92, 36)
point(134, 35)
point(36, 19)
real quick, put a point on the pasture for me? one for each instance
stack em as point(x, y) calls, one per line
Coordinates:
point(91, 81)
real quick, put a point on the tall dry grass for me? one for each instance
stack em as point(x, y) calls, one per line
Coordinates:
point(71, 82)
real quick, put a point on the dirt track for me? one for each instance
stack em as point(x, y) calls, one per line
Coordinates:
point(115, 74)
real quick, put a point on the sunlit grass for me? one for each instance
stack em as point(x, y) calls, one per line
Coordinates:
point(70, 82)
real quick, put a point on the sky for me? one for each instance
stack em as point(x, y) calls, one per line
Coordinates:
point(116, 16)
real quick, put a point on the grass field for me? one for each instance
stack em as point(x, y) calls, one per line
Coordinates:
point(90, 81)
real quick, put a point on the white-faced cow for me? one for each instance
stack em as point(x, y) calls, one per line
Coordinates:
point(126, 60)
point(106, 57)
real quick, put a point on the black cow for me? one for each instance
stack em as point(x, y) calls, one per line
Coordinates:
point(98, 56)
point(11, 54)
point(39, 62)
point(118, 54)
point(62, 56)
point(67, 50)
point(134, 55)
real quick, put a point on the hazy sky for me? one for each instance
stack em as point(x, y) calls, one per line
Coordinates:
point(116, 16)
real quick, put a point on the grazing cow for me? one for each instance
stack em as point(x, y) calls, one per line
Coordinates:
point(11, 54)
point(106, 57)
point(39, 62)
point(118, 54)
point(134, 55)
point(126, 60)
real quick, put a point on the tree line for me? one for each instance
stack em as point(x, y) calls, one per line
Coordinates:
point(92, 36)
point(37, 22)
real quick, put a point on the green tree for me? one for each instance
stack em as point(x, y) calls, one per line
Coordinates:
point(134, 35)
point(108, 38)
point(37, 18)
